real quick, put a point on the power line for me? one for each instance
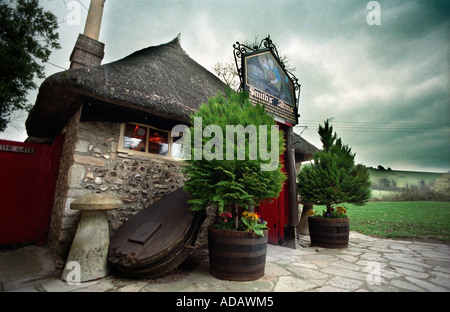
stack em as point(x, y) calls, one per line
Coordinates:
point(56, 65)
point(65, 4)
point(378, 126)
point(376, 123)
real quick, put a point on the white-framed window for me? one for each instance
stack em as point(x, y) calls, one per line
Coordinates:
point(145, 140)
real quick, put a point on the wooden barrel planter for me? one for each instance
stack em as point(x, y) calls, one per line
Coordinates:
point(237, 255)
point(329, 233)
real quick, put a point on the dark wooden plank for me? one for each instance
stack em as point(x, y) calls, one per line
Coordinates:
point(144, 232)
point(172, 212)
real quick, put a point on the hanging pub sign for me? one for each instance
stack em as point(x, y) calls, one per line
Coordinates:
point(264, 77)
point(266, 82)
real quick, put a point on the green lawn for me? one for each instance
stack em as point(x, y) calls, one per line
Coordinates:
point(424, 220)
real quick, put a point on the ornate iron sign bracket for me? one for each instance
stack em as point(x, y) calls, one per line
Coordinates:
point(241, 51)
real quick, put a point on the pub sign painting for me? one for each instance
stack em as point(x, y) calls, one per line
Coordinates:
point(267, 83)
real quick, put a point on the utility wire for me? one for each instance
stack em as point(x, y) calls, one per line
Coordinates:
point(83, 5)
point(56, 65)
point(378, 127)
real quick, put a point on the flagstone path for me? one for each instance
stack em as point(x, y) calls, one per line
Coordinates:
point(368, 264)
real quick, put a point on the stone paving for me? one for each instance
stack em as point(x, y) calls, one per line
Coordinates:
point(368, 264)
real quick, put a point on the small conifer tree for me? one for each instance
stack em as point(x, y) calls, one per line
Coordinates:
point(223, 182)
point(333, 178)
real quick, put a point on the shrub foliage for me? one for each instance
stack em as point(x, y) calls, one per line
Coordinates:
point(333, 178)
point(222, 182)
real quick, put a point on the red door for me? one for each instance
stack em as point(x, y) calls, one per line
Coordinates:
point(269, 213)
point(275, 213)
point(28, 173)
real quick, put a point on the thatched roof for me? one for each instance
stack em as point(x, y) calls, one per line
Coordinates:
point(303, 149)
point(161, 80)
point(158, 81)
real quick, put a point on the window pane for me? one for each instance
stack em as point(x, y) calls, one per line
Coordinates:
point(158, 142)
point(177, 148)
point(134, 137)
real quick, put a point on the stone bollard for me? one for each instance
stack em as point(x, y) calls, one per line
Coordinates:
point(303, 227)
point(88, 257)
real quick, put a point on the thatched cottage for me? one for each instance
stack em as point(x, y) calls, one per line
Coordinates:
point(116, 120)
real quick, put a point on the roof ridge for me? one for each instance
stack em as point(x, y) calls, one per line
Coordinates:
point(176, 40)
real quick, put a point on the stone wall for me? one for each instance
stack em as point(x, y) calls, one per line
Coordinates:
point(137, 181)
point(57, 238)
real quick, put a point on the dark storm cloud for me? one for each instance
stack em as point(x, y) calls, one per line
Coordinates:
point(386, 75)
point(373, 80)
point(413, 19)
point(390, 75)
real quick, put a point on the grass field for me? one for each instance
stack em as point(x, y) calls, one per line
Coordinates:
point(423, 220)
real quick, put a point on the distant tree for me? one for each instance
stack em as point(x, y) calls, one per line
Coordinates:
point(442, 185)
point(384, 183)
point(421, 183)
point(380, 167)
point(27, 36)
point(394, 183)
point(227, 72)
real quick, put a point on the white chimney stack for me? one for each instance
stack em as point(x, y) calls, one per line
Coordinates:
point(94, 19)
point(88, 51)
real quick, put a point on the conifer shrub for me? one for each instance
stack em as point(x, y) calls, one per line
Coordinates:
point(333, 178)
point(226, 183)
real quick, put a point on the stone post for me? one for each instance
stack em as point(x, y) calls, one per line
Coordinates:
point(303, 227)
point(89, 251)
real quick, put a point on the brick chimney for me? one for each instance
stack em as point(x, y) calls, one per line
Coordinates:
point(88, 51)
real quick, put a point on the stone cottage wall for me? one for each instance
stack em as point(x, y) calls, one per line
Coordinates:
point(57, 239)
point(137, 181)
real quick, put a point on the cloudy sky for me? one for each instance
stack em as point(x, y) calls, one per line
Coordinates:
point(386, 86)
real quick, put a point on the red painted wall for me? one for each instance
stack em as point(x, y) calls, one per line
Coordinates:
point(28, 173)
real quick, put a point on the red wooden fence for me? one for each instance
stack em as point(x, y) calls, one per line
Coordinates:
point(28, 173)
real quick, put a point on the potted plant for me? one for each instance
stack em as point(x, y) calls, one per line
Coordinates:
point(332, 179)
point(231, 171)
